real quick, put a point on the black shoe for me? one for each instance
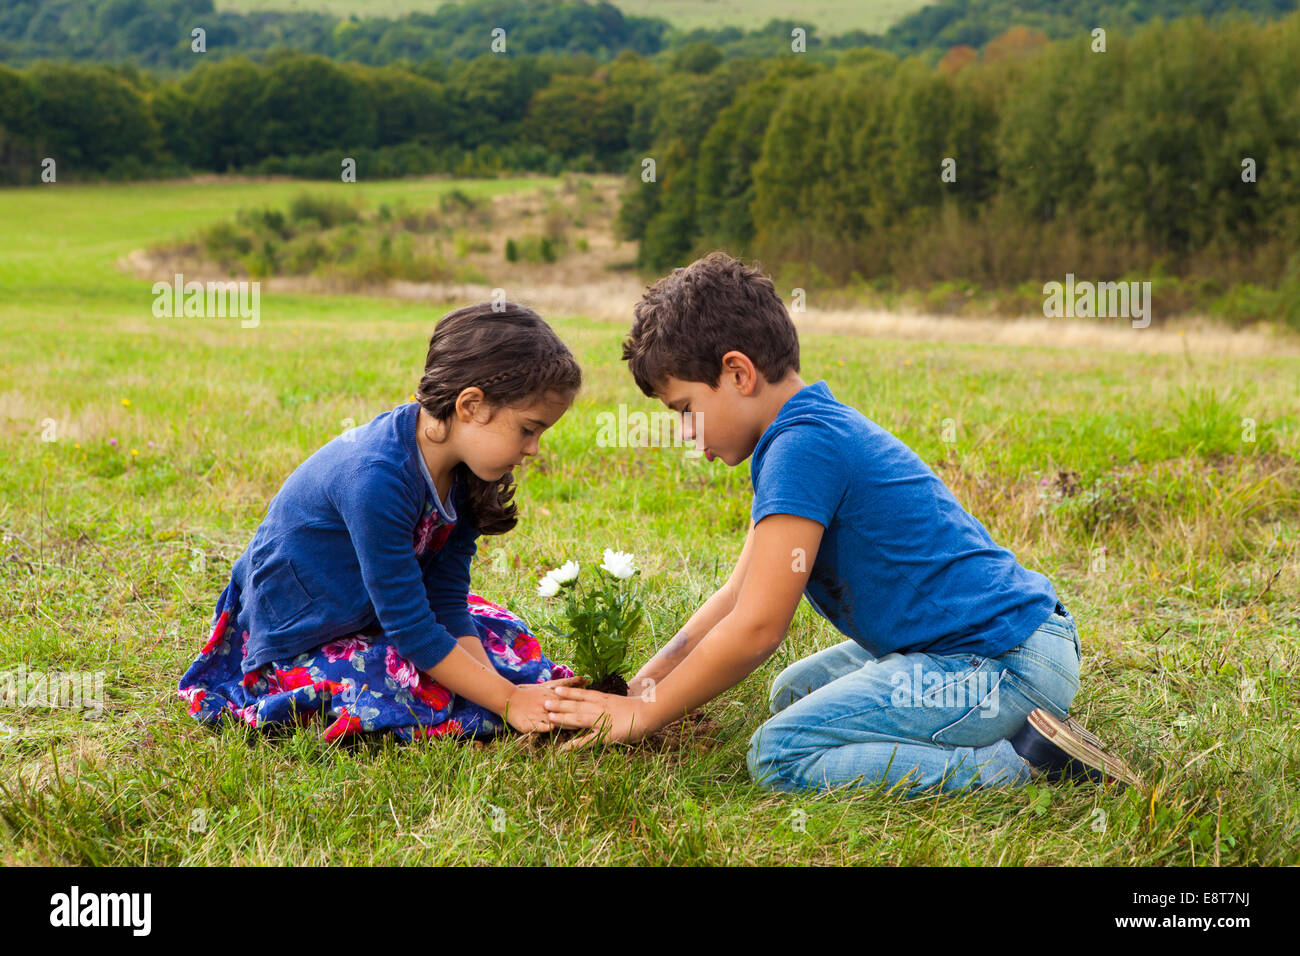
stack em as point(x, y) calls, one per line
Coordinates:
point(1062, 749)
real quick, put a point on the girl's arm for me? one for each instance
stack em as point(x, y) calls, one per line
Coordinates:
point(474, 646)
point(522, 705)
point(462, 674)
point(701, 622)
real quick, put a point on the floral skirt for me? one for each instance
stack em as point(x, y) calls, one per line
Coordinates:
point(358, 682)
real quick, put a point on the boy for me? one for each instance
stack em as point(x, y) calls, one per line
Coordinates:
point(960, 665)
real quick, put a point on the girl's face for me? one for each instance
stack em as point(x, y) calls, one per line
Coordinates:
point(490, 448)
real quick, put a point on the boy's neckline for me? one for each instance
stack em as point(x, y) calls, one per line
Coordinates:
point(808, 385)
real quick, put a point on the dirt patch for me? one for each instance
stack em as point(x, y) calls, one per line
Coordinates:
point(611, 684)
point(592, 276)
point(696, 731)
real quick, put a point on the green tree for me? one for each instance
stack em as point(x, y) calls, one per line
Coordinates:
point(215, 119)
point(578, 114)
point(406, 106)
point(311, 105)
point(90, 119)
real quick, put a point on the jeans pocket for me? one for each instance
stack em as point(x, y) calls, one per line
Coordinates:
point(986, 717)
point(1054, 697)
point(1066, 630)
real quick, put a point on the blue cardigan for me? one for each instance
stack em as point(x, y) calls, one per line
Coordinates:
point(335, 553)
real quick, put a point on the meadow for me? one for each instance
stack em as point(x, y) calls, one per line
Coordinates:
point(830, 16)
point(1159, 491)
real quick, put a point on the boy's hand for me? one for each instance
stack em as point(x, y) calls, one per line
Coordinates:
point(638, 686)
point(614, 719)
point(525, 708)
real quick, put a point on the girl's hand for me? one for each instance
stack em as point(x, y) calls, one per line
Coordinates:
point(525, 708)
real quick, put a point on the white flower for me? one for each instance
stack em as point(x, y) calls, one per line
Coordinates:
point(565, 573)
point(619, 563)
point(549, 587)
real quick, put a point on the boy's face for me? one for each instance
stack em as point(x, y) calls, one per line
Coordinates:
point(722, 421)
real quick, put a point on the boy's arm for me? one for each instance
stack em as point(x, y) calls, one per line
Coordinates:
point(701, 622)
point(734, 648)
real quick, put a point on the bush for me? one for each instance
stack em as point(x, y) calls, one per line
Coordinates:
point(324, 211)
point(468, 244)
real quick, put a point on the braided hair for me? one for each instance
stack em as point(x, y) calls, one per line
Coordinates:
point(514, 358)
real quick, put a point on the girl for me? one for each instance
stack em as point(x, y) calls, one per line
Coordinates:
point(352, 601)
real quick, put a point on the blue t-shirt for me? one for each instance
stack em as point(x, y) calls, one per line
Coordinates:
point(902, 566)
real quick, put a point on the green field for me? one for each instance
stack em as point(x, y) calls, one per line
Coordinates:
point(830, 16)
point(1176, 547)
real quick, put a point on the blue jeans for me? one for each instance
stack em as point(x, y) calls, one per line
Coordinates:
point(921, 722)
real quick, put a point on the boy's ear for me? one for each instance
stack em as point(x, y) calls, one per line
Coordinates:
point(738, 370)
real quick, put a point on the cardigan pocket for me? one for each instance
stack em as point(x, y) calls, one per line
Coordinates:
point(281, 593)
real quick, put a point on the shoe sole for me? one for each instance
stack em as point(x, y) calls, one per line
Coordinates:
point(1075, 742)
point(1081, 731)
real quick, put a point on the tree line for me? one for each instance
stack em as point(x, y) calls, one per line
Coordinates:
point(1175, 152)
point(304, 113)
point(158, 33)
point(1171, 151)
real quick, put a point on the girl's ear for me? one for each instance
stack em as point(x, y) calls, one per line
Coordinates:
point(468, 403)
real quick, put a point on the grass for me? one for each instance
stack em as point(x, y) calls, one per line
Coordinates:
point(1160, 494)
point(830, 16)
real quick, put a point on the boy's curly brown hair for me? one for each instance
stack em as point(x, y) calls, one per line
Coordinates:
point(693, 316)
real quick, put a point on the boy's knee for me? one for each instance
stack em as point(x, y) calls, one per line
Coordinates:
point(784, 689)
point(781, 695)
point(759, 769)
point(765, 757)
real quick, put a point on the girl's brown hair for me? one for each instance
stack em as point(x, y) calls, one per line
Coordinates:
point(515, 358)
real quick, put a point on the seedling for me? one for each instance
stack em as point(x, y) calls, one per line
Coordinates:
point(601, 620)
